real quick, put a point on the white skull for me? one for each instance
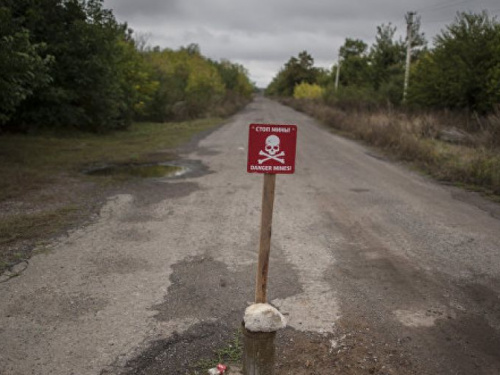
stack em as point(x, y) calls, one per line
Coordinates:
point(272, 145)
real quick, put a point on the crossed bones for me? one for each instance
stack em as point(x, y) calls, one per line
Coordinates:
point(274, 157)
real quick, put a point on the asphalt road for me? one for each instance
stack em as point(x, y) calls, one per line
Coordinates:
point(359, 244)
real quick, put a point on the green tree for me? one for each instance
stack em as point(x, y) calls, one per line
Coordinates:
point(70, 64)
point(463, 70)
point(190, 84)
point(22, 68)
point(235, 78)
point(137, 80)
point(355, 64)
point(353, 48)
point(87, 85)
point(387, 60)
point(387, 56)
point(296, 70)
point(204, 86)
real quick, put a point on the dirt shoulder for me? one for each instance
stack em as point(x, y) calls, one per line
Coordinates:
point(45, 191)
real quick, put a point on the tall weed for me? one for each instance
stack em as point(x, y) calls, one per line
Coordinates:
point(473, 157)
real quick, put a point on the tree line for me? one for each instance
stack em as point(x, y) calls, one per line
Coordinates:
point(461, 70)
point(71, 64)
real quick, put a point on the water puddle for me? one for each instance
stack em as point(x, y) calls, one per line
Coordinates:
point(139, 170)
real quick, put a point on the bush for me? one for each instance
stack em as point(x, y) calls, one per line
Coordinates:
point(354, 98)
point(307, 91)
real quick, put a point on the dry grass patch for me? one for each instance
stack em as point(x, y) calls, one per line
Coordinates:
point(447, 146)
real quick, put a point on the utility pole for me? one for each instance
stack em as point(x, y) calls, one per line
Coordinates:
point(409, 39)
point(337, 75)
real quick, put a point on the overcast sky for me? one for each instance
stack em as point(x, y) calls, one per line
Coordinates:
point(263, 34)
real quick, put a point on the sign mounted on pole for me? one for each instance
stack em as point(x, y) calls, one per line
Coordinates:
point(271, 148)
point(271, 151)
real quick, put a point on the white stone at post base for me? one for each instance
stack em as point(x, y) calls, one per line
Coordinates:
point(262, 317)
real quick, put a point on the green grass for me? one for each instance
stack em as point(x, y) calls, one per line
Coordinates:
point(24, 227)
point(230, 353)
point(28, 161)
point(30, 228)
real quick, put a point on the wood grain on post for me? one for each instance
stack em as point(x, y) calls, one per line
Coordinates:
point(265, 238)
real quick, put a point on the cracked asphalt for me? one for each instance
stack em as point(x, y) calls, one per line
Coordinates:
point(368, 259)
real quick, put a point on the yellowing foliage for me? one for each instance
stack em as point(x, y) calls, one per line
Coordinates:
point(92, 74)
point(191, 85)
point(307, 91)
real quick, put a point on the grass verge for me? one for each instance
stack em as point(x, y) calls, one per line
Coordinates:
point(30, 228)
point(23, 227)
point(470, 160)
point(29, 161)
point(43, 189)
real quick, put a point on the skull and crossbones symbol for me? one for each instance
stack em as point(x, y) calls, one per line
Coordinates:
point(272, 149)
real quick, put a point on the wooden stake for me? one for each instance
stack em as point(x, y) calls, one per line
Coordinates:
point(265, 238)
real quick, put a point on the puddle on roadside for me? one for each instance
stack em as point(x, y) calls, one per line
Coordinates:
point(139, 170)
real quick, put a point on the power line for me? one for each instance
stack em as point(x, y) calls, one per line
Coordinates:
point(444, 5)
point(438, 21)
point(427, 21)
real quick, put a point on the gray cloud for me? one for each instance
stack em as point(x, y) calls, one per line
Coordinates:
point(263, 35)
point(128, 9)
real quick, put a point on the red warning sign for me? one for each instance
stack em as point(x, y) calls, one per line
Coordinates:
point(271, 148)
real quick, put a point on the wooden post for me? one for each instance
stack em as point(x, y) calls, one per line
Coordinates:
point(258, 352)
point(265, 238)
